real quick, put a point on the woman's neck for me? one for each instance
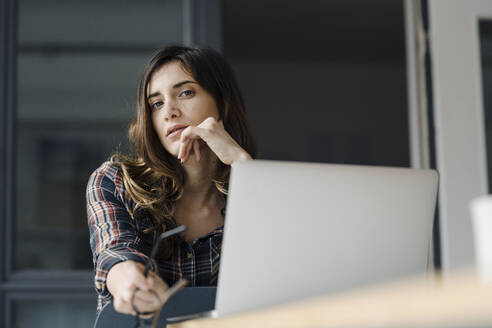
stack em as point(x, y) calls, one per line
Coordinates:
point(198, 185)
point(200, 206)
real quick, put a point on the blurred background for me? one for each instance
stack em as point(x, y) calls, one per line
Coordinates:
point(333, 81)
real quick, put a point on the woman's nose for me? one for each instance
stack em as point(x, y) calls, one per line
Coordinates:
point(171, 110)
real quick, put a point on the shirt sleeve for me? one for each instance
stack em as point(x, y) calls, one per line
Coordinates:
point(113, 233)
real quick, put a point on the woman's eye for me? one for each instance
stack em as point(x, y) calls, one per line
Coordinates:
point(156, 105)
point(187, 93)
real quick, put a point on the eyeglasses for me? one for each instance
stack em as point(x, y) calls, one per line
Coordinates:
point(140, 322)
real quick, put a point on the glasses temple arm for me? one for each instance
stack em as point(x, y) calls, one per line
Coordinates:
point(161, 237)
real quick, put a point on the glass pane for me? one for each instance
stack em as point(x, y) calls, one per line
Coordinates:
point(50, 313)
point(339, 78)
point(78, 68)
point(486, 54)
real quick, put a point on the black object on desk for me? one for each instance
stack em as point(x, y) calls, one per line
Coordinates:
point(189, 300)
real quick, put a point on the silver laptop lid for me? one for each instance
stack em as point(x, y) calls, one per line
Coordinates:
point(295, 230)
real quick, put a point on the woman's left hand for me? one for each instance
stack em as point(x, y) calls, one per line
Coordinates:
point(212, 132)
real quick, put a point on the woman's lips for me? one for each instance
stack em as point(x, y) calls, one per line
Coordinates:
point(176, 133)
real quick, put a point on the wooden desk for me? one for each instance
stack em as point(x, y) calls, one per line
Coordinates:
point(459, 301)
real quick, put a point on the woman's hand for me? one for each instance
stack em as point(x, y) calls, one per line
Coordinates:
point(212, 132)
point(122, 281)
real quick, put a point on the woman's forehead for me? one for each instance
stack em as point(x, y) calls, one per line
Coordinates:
point(167, 76)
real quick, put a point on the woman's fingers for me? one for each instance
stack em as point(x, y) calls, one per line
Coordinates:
point(150, 300)
point(138, 279)
point(183, 142)
point(132, 289)
point(192, 144)
point(212, 132)
point(187, 149)
point(189, 140)
point(182, 150)
point(146, 301)
point(146, 297)
point(158, 285)
point(126, 294)
point(122, 306)
point(196, 149)
point(143, 301)
point(129, 286)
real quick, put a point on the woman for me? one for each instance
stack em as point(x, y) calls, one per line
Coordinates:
point(189, 128)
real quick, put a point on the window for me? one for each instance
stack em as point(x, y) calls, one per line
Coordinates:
point(72, 69)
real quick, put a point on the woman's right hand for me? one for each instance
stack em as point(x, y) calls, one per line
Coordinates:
point(122, 281)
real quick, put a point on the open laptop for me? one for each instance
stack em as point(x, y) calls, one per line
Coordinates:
point(295, 230)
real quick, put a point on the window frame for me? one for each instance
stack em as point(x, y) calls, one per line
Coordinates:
point(8, 17)
point(458, 106)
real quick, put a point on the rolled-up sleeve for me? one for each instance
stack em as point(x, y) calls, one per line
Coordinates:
point(113, 232)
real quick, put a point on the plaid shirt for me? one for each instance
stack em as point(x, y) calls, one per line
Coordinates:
point(115, 236)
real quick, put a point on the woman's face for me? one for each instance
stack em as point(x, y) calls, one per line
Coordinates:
point(177, 101)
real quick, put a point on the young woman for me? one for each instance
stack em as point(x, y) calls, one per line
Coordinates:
point(190, 127)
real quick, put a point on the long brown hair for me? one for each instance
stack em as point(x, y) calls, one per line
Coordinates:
point(153, 177)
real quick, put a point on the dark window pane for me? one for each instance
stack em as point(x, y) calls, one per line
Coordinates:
point(324, 81)
point(50, 313)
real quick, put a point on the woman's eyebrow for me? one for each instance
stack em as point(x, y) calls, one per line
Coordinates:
point(155, 94)
point(177, 85)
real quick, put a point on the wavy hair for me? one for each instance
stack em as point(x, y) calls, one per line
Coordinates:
point(153, 177)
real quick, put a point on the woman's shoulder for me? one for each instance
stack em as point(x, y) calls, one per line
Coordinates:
point(108, 173)
point(110, 169)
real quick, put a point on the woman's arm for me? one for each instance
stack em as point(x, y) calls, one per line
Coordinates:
point(115, 244)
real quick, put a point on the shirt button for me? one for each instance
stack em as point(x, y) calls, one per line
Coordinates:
point(189, 255)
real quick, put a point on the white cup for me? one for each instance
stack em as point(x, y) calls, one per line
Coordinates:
point(481, 211)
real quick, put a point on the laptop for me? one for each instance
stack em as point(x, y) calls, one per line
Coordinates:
point(296, 230)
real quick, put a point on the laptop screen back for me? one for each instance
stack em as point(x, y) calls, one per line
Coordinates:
point(295, 230)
